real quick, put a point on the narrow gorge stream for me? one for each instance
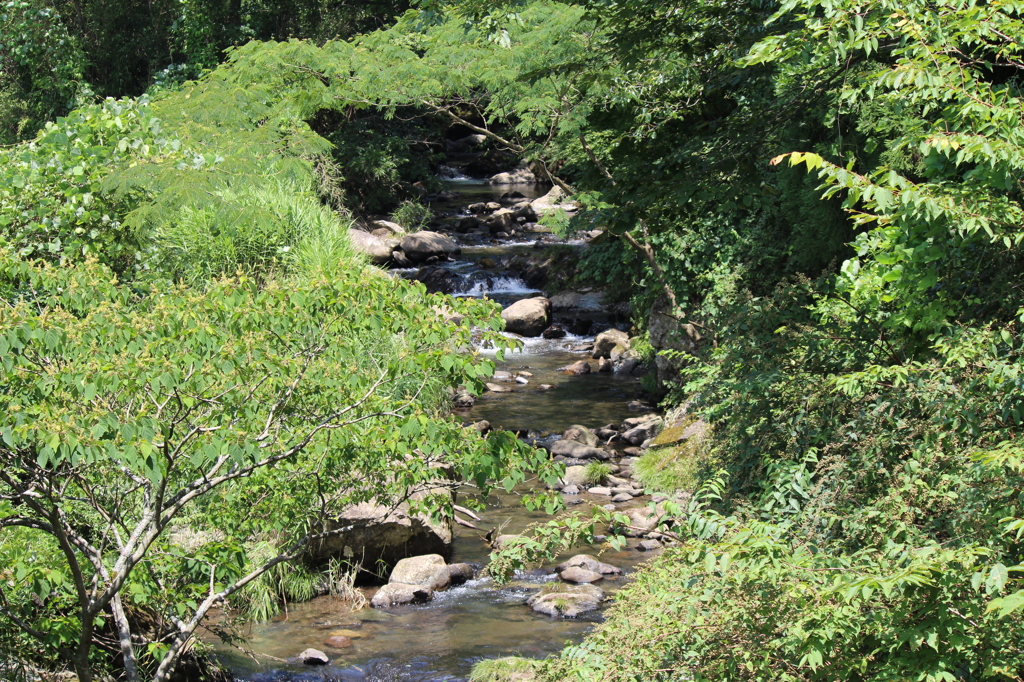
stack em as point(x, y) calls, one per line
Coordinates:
point(441, 640)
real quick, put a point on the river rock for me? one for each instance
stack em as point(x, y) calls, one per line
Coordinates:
point(648, 545)
point(497, 388)
point(599, 490)
point(621, 497)
point(400, 260)
point(589, 563)
point(605, 365)
point(627, 489)
point(501, 220)
point(420, 246)
point(629, 363)
point(555, 331)
point(616, 353)
point(552, 202)
point(463, 400)
point(528, 317)
point(571, 490)
point(314, 657)
point(338, 642)
point(483, 427)
point(378, 250)
point(545, 387)
point(580, 434)
point(460, 573)
point(393, 228)
point(520, 176)
point(566, 601)
point(525, 213)
point(575, 476)
point(478, 207)
point(632, 422)
point(641, 521)
point(577, 368)
point(375, 533)
point(575, 450)
point(576, 574)
point(642, 432)
point(493, 206)
point(436, 279)
point(466, 224)
point(607, 340)
point(400, 593)
point(428, 570)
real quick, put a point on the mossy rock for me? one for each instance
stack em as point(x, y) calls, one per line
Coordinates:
point(677, 456)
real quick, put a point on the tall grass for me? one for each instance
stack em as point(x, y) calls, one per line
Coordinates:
point(263, 229)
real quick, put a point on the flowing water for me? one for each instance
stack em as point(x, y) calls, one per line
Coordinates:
point(443, 639)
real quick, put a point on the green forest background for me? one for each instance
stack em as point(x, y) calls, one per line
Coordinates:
point(814, 206)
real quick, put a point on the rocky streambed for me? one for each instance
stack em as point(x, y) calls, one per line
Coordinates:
point(572, 389)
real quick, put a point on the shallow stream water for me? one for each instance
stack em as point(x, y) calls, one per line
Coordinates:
point(442, 640)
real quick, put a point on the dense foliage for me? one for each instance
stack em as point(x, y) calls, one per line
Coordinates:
point(815, 205)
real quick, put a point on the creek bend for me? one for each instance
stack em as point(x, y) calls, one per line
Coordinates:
point(441, 640)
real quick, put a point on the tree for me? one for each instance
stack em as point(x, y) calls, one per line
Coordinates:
point(128, 415)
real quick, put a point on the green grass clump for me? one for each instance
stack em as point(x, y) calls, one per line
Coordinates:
point(508, 669)
point(679, 467)
point(596, 472)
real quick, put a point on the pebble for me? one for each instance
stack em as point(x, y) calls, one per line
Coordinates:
point(622, 497)
point(495, 388)
point(522, 380)
point(599, 490)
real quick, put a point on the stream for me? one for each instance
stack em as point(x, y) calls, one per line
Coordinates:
point(441, 640)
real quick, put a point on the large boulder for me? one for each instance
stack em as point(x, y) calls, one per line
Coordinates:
point(528, 317)
point(372, 533)
point(392, 228)
point(400, 593)
point(561, 600)
point(575, 450)
point(429, 570)
point(377, 249)
point(606, 341)
point(580, 434)
point(419, 246)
